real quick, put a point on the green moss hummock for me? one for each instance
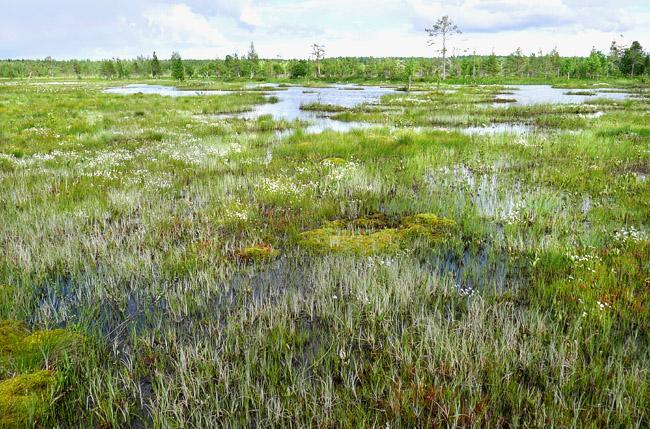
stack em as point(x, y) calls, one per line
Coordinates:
point(21, 350)
point(258, 253)
point(334, 161)
point(24, 398)
point(374, 234)
point(427, 225)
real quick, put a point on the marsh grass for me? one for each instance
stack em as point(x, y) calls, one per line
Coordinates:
point(170, 238)
point(319, 107)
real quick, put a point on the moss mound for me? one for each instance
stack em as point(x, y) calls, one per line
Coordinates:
point(11, 334)
point(21, 350)
point(332, 239)
point(24, 398)
point(427, 225)
point(334, 161)
point(374, 234)
point(258, 253)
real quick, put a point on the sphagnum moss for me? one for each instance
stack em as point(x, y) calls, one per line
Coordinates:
point(372, 235)
point(257, 253)
point(21, 350)
point(25, 398)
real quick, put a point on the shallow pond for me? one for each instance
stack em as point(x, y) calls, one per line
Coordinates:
point(546, 94)
point(291, 98)
point(289, 102)
point(288, 106)
point(169, 91)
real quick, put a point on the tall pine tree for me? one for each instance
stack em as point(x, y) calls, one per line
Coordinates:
point(178, 71)
point(155, 66)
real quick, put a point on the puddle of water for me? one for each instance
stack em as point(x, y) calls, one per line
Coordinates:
point(545, 94)
point(477, 269)
point(168, 91)
point(483, 130)
point(288, 106)
point(490, 129)
point(318, 125)
point(594, 115)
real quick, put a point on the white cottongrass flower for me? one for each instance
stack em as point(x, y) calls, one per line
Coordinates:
point(630, 234)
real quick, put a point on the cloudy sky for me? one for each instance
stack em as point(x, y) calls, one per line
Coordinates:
point(286, 28)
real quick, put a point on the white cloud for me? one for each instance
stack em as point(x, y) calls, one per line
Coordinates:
point(177, 23)
point(214, 28)
point(244, 11)
point(248, 15)
point(506, 15)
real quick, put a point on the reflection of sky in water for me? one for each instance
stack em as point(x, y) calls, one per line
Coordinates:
point(168, 91)
point(288, 106)
point(545, 94)
point(291, 98)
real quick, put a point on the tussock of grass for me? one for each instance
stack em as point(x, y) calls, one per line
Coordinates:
point(319, 107)
point(587, 93)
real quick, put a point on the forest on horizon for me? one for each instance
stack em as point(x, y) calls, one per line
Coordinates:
point(619, 61)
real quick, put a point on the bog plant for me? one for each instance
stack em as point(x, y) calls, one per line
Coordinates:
point(171, 262)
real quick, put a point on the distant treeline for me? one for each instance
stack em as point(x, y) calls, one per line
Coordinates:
point(631, 61)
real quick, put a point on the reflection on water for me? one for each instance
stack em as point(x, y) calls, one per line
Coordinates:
point(291, 98)
point(546, 94)
point(289, 102)
point(169, 91)
point(511, 128)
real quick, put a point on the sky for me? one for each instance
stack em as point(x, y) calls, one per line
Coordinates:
point(199, 29)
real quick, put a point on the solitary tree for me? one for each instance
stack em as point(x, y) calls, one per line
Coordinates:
point(318, 52)
point(76, 67)
point(252, 54)
point(155, 66)
point(178, 71)
point(251, 66)
point(445, 29)
point(409, 69)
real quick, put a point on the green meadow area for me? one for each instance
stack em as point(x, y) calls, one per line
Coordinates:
point(175, 262)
